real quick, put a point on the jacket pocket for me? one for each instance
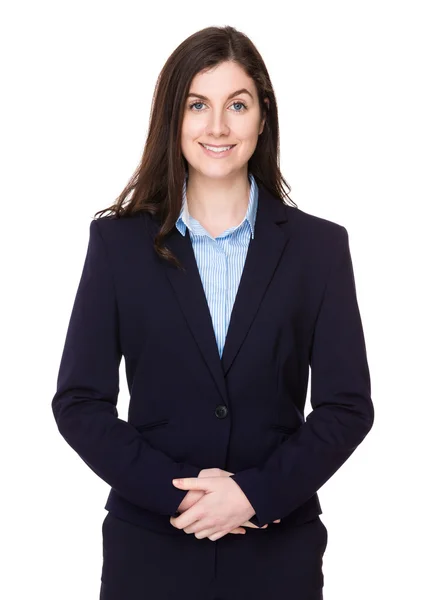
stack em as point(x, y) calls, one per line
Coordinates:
point(152, 424)
point(283, 428)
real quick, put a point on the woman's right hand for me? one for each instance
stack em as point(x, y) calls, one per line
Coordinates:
point(193, 496)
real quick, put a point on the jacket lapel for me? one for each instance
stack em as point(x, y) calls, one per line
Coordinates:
point(264, 253)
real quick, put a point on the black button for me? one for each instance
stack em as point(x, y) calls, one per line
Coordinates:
point(221, 411)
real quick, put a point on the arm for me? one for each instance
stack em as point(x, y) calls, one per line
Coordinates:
point(84, 405)
point(342, 414)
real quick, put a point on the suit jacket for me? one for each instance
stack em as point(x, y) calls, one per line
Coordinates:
point(296, 309)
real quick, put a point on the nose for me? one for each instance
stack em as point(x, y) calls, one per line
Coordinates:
point(217, 124)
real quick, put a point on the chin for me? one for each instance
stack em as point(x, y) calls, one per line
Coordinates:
point(216, 173)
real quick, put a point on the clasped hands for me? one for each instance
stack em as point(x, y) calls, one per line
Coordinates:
point(214, 505)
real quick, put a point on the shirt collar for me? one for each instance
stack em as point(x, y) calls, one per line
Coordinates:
point(186, 220)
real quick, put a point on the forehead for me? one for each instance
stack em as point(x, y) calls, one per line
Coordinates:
point(221, 81)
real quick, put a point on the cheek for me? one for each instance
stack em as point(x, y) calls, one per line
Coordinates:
point(187, 144)
point(247, 131)
point(191, 130)
point(248, 141)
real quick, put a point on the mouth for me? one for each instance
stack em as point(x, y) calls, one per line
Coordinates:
point(217, 151)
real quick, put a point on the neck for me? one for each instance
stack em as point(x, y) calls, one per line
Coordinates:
point(218, 201)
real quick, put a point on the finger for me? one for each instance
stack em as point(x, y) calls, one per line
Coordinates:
point(249, 524)
point(191, 528)
point(191, 483)
point(212, 534)
point(188, 518)
point(204, 533)
point(217, 535)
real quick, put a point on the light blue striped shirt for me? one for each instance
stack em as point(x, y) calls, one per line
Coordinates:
point(220, 260)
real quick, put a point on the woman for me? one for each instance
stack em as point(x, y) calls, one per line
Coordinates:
point(220, 295)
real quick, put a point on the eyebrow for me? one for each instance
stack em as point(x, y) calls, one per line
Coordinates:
point(236, 93)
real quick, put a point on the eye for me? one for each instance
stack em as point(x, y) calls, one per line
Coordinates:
point(242, 104)
point(239, 111)
point(195, 104)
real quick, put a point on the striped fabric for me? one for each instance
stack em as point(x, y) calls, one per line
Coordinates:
point(220, 260)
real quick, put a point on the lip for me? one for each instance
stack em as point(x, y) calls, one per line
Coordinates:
point(213, 154)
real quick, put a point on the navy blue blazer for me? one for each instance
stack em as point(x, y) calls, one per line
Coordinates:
point(296, 309)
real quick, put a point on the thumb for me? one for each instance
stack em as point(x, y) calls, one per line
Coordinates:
point(192, 483)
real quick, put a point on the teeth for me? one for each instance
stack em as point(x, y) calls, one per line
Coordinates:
point(222, 149)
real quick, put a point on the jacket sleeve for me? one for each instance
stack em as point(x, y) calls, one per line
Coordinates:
point(343, 411)
point(84, 405)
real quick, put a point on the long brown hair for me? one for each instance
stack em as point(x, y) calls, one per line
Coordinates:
point(157, 183)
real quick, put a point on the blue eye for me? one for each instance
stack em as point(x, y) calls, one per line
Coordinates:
point(242, 103)
point(244, 106)
point(194, 104)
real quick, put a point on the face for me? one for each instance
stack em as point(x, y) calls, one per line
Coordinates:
point(216, 115)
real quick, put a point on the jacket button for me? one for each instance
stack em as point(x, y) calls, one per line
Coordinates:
point(221, 411)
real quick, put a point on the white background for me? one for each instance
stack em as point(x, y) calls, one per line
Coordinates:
point(350, 81)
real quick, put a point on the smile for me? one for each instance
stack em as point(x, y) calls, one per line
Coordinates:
point(222, 151)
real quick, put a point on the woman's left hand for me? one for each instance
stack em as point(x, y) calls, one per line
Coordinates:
point(221, 509)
